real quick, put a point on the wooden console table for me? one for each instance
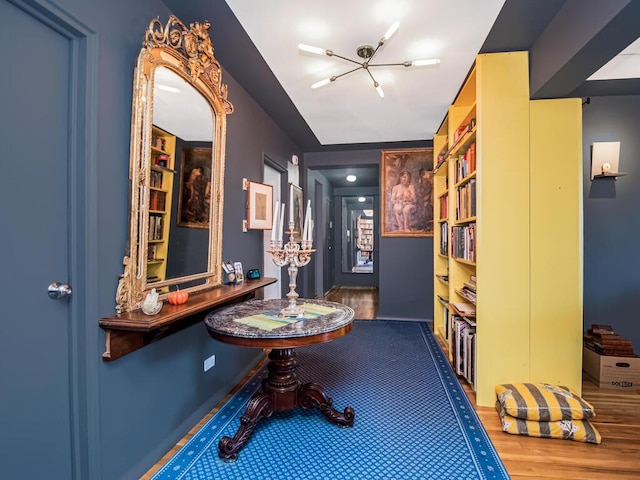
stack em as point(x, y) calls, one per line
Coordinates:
point(130, 331)
point(256, 324)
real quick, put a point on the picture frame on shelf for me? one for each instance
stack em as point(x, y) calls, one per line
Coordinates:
point(296, 211)
point(259, 206)
point(237, 266)
point(194, 198)
point(407, 193)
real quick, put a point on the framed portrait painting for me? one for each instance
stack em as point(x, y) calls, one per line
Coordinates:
point(194, 198)
point(296, 210)
point(407, 193)
point(259, 206)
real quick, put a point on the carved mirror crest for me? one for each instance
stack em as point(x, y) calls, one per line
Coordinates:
point(178, 132)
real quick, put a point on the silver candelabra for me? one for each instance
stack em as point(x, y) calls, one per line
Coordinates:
point(295, 255)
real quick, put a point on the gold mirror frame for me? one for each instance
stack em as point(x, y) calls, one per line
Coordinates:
point(188, 52)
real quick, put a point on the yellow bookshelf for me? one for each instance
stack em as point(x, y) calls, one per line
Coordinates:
point(521, 216)
point(163, 147)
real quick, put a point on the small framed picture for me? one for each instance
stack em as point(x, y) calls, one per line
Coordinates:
point(259, 206)
point(237, 266)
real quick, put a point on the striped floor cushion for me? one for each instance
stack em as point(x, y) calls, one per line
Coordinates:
point(578, 430)
point(542, 402)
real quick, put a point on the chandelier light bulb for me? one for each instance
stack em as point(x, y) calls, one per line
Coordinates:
point(392, 29)
point(427, 61)
point(311, 49)
point(379, 89)
point(321, 83)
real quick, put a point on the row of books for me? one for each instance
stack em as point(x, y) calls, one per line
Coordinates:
point(457, 136)
point(463, 348)
point(603, 340)
point(156, 226)
point(155, 180)
point(466, 200)
point(463, 242)
point(461, 131)
point(157, 200)
point(466, 163)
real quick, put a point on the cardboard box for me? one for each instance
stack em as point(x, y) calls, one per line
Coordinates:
point(621, 373)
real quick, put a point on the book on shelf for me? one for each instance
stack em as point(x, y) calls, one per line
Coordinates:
point(444, 300)
point(464, 308)
point(463, 348)
point(468, 294)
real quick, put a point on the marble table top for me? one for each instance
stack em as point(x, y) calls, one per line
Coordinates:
point(234, 320)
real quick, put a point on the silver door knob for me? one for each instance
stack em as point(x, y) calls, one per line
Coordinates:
point(59, 290)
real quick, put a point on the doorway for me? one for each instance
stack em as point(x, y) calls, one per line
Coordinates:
point(356, 240)
point(357, 235)
point(271, 176)
point(46, 207)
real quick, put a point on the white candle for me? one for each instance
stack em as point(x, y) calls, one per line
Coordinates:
point(291, 205)
point(307, 215)
point(274, 221)
point(281, 223)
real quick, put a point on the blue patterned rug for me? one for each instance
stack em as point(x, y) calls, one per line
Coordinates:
point(413, 420)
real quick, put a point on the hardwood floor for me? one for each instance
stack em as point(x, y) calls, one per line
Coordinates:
point(363, 300)
point(617, 419)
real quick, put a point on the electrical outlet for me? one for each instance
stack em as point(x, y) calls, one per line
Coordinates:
point(209, 362)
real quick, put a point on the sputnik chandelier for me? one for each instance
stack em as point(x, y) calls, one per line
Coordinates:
point(366, 52)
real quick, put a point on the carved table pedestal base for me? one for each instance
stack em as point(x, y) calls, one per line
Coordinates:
point(281, 391)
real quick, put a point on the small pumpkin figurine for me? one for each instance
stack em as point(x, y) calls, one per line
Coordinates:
point(178, 297)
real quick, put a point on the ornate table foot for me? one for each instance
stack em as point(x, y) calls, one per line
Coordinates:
point(312, 395)
point(260, 406)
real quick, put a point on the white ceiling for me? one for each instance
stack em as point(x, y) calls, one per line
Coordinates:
point(625, 65)
point(349, 110)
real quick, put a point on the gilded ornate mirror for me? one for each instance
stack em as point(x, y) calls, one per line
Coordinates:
point(178, 131)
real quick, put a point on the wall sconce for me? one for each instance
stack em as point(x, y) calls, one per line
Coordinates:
point(605, 157)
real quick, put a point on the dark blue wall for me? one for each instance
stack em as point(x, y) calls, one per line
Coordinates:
point(142, 404)
point(611, 219)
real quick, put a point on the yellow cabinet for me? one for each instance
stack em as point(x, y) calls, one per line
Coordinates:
point(508, 200)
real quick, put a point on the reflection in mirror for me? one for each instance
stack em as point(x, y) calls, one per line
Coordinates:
point(178, 132)
point(181, 114)
point(357, 234)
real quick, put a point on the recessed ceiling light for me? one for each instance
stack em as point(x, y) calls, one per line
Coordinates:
point(361, 199)
point(351, 178)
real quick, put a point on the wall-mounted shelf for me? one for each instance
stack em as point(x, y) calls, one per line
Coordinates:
point(130, 331)
point(609, 175)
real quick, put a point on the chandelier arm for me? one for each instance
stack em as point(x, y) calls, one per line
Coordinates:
point(345, 58)
point(375, 84)
point(374, 52)
point(400, 64)
point(335, 77)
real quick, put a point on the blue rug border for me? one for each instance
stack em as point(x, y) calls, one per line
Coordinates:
point(485, 457)
point(489, 463)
